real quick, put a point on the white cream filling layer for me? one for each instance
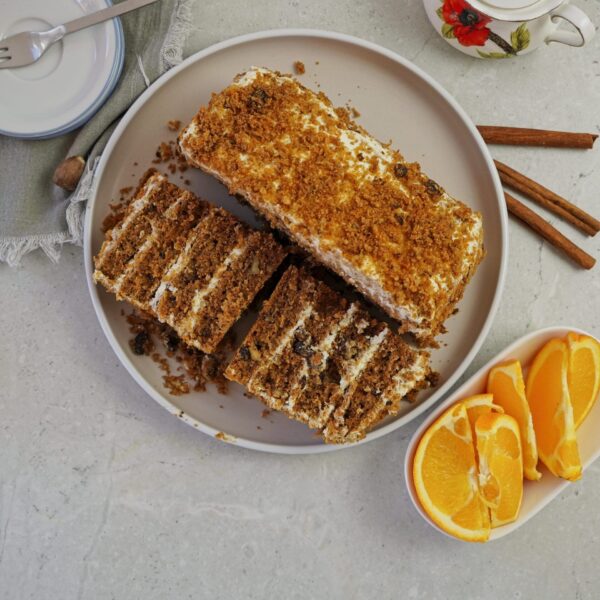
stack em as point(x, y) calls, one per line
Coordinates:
point(283, 343)
point(191, 320)
point(149, 243)
point(405, 380)
point(171, 272)
point(324, 348)
point(352, 375)
point(153, 183)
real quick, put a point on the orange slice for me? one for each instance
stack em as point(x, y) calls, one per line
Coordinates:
point(505, 382)
point(445, 477)
point(480, 404)
point(500, 466)
point(548, 397)
point(583, 374)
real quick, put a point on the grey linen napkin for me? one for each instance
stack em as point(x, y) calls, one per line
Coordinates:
point(35, 213)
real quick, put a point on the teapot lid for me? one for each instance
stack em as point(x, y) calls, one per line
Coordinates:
point(514, 10)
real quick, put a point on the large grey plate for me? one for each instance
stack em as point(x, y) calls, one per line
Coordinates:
point(397, 101)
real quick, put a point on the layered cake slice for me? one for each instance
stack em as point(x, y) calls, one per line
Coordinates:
point(352, 202)
point(189, 264)
point(325, 361)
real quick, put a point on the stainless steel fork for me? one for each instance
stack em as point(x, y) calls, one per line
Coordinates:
point(25, 48)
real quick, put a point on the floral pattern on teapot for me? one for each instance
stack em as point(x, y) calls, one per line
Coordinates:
point(469, 27)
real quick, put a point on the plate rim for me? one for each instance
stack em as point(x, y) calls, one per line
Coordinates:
point(440, 393)
point(95, 105)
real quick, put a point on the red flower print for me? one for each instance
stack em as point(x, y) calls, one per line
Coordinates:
point(468, 25)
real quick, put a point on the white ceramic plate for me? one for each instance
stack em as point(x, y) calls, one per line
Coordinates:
point(63, 89)
point(397, 101)
point(536, 494)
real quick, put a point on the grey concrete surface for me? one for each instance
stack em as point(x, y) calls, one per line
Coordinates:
point(104, 496)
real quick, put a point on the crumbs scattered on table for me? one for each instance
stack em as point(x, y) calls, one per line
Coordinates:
point(265, 413)
point(299, 67)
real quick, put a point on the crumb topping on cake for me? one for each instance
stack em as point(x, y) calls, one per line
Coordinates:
point(355, 203)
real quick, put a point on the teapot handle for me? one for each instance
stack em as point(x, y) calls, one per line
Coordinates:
point(584, 28)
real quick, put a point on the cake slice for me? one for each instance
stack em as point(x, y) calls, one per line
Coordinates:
point(354, 203)
point(325, 362)
point(191, 265)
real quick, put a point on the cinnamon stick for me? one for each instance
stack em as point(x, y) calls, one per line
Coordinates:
point(549, 233)
point(548, 199)
point(522, 136)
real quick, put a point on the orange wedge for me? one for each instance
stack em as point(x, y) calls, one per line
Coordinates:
point(445, 477)
point(548, 397)
point(583, 374)
point(505, 382)
point(480, 404)
point(500, 466)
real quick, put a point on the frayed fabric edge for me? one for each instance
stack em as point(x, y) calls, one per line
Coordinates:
point(181, 25)
point(13, 249)
point(78, 202)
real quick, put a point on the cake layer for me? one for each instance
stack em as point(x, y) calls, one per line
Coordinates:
point(191, 265)
point(352, 202)
point(326, 362)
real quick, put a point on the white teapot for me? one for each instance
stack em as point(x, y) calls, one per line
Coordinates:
point(508, 28)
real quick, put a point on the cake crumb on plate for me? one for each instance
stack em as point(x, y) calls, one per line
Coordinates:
point(299, 67)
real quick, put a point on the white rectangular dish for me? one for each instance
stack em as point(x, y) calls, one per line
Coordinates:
point(536, 494)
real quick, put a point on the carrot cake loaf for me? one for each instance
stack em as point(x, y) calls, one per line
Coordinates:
point(191, 265)
point(351, 201)
point(325, 361)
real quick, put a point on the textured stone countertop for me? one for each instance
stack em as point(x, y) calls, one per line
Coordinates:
point(103, 495)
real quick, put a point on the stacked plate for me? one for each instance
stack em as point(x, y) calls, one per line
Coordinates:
point(70, 82)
